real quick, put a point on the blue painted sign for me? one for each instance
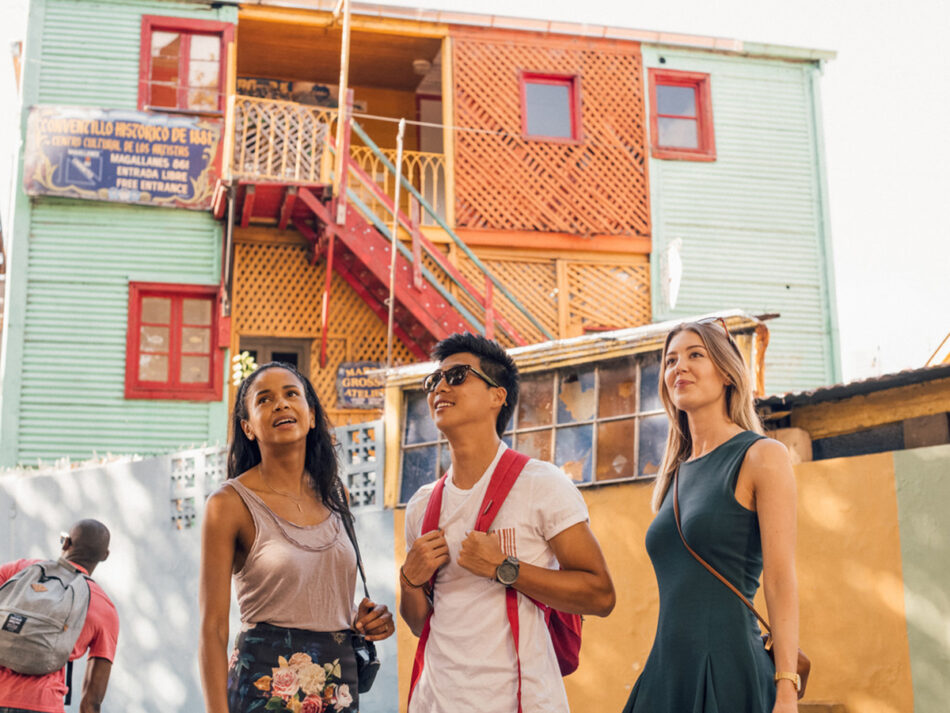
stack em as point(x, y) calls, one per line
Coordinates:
point(355, 388)
point(122, 156)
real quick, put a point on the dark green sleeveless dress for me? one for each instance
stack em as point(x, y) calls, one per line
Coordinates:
point(707, 656)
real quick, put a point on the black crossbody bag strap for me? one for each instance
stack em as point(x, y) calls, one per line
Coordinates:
point(351, 533)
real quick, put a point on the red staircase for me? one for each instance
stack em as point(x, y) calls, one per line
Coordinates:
point(425, 309)
point(361, 255)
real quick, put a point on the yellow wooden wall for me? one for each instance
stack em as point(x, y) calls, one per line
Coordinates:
point(278, 293)
point(850, 582)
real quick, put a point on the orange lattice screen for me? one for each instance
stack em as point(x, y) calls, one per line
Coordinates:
point(533, 282)
point(567, 295)
point(277, 293)
point(506, 182)
point(607, 295)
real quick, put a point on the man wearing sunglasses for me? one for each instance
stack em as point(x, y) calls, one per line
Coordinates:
point(539, 543)
point(84, 547)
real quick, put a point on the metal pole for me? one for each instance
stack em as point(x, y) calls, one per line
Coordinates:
point(395, 237)
point(341, 126)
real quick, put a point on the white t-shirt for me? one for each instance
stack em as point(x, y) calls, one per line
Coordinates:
point(470, 664)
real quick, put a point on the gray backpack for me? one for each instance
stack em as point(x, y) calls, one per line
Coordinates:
point(42, 611)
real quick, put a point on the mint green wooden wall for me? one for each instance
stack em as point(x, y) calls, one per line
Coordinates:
point(753, 223)
point(63, 369)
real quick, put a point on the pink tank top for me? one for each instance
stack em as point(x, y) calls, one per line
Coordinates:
point(295, 577)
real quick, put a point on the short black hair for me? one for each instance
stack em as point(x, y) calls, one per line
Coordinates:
point(493, 360)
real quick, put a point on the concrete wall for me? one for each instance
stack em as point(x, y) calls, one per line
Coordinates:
point(923, 492)
point(152, 572)
point(872, 576)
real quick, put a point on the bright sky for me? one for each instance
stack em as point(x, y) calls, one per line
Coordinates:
point(885, 102)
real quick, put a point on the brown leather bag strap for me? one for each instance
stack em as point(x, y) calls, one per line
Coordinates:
point(704, 563)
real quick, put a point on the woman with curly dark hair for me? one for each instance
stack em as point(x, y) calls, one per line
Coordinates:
point(277, 527)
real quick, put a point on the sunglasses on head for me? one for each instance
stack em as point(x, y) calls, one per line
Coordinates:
point(719, 322)
point(454, 376)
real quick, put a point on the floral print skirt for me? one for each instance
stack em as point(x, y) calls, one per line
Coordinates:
point(273, 669)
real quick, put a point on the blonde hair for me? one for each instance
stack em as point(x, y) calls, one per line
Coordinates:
point(740, 409)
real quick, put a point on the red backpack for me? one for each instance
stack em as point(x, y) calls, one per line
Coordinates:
point(564, 628)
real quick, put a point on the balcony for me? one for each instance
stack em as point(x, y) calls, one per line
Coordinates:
point(283, 142)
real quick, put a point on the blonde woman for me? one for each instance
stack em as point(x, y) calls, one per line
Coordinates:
point(737, 510)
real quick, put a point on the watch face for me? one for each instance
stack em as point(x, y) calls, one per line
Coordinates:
point(507, 572)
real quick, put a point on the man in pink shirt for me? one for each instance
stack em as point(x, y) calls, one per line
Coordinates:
point(85, 547)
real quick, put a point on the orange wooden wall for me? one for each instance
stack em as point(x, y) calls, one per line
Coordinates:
point(506, 182)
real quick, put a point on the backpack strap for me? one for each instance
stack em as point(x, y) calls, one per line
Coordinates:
point(506, 473)
point(503, 478)
point(430, 522)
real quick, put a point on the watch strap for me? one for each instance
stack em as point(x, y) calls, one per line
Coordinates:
point(793, 677)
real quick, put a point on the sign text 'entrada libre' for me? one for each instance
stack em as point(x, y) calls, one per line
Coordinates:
point(122, 156)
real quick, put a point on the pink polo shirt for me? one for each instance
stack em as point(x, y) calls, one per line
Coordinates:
point(99, 635)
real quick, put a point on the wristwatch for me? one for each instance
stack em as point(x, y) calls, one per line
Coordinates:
point(793, 677)
point(507, 571)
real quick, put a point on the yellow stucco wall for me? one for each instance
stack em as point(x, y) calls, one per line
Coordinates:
point(851, 584)
point(850, 581)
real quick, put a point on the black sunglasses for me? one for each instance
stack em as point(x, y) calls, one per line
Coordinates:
point(454, 376)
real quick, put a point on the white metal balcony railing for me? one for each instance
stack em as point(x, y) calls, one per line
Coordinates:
point(288, 142)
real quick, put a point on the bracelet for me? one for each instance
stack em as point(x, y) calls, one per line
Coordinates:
point(405, 579)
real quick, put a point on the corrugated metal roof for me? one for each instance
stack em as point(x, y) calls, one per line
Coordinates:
point(835, 392)
point(603, 345)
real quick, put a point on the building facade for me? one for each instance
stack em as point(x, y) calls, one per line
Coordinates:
point(552, 181)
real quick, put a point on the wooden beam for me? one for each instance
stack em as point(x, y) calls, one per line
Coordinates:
point(448, 134)
point(220, 200)
point(290, 197)
point(636, 244)
point(383, 25)
point(248, 208)
point(306, 231)
point(858, 413)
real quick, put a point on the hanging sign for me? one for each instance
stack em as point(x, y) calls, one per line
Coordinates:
point(122, 156)
point(355, 388)
point(300, 92)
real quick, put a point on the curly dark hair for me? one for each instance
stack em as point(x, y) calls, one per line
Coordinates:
point(493, 360)
point(320, 462)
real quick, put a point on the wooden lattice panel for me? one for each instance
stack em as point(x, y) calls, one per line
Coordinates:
point(278, 293)
point(506, 182)
point(532, 282)
point(607, 295)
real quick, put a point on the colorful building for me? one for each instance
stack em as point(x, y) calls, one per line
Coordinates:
point(872, 468)
point(559, 180)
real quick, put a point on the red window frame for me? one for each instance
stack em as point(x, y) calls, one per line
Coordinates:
point(573, 83)
point(706, 150)
point(188, 27)
point(173, 388)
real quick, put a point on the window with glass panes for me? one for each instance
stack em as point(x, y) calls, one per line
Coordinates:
point(182, 64)
point(172, 350)
point(681, 122)
point(550, 107)
point(599, 422)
